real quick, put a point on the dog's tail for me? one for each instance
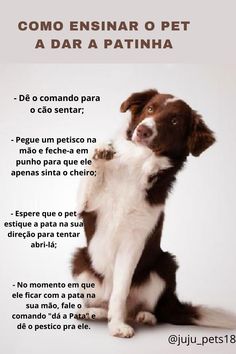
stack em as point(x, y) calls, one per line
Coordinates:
point(170, 310)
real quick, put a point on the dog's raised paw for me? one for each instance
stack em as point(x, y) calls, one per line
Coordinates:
point(120, 329)
point(145, 317)
point(104, 152)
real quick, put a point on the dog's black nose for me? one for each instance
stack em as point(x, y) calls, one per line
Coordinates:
point(143, 131)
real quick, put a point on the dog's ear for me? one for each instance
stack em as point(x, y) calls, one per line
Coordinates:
point(137, 101)
point(201, 137)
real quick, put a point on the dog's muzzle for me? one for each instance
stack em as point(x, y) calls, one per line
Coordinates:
point(145, 132)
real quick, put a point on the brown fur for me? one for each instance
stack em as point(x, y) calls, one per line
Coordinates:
point(81, 262)
point(89, 220)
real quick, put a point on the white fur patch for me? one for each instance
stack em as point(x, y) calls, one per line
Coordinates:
point(170, 100)
point(214, 317)
point(149, 122)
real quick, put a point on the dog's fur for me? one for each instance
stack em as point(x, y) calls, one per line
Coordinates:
point(123, 213)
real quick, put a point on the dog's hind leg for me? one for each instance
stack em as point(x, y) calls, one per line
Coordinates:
point(143, 298)
point(145, 317)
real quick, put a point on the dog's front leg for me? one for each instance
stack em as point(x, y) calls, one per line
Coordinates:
point(91, 185)
point(127, 258)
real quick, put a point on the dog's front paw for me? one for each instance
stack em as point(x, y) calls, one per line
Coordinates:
point(104, 152)
point(120, 329)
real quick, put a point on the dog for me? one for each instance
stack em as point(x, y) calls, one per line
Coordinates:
point(123, 212)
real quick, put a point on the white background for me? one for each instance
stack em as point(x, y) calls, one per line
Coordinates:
point(200, 214)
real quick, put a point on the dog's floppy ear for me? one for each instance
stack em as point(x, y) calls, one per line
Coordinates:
point(201, 137)
point(137, 101)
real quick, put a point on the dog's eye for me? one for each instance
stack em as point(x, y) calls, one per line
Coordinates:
point(150, 109)
point(174, 121)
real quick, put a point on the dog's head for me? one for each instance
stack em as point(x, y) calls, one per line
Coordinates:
point(166, 124)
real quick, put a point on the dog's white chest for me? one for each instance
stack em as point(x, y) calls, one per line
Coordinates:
point(122, 209)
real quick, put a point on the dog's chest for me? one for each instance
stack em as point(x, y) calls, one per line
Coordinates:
point(122, 198)
point(123, 214)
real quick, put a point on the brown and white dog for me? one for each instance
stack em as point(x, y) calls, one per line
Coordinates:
point(123, 213)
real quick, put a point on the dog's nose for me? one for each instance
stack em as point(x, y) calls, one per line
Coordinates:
point(143, 131)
